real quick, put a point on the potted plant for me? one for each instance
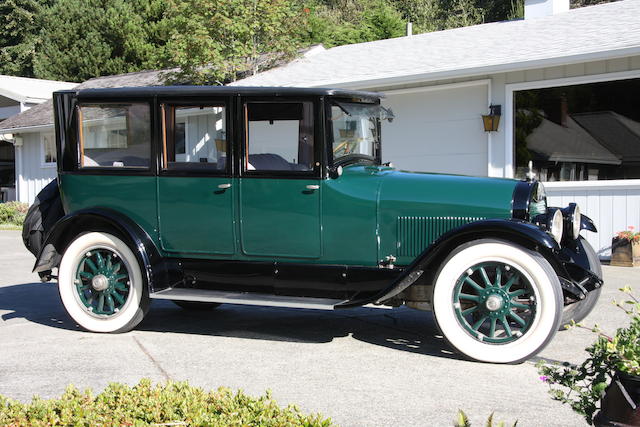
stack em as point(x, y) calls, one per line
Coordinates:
point(609, 379)
point(625, 248)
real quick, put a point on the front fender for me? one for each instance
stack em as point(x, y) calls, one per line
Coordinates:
point(107, 220)
point(513, 230)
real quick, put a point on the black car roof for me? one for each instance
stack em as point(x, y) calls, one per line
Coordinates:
point(147, 91)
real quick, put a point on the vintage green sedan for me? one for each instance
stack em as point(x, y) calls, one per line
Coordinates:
point(278, 197)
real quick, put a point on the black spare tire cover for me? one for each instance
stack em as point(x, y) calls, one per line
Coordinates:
point(45, 211)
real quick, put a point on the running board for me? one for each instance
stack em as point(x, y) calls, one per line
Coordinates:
point(246, 298)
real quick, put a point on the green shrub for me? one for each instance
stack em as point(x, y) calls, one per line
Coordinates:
point(174, 403)
point(13, 213)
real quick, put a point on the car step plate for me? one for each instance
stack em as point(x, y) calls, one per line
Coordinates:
point(246, 298)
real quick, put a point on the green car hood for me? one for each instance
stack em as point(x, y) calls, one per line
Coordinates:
point(414, 209)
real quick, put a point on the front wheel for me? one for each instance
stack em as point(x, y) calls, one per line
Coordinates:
point(101, 285)
point(497, 302)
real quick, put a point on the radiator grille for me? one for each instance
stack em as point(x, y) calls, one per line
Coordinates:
point(415, 233)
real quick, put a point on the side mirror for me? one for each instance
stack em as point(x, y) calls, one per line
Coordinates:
point(335, 172)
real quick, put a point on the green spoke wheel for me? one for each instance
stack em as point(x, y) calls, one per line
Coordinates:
point(495, 301)
point(102, 282)
point(502, 310)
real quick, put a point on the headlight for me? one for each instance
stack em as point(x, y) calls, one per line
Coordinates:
point(538, 202)
point(556, 225)
point(574, 219)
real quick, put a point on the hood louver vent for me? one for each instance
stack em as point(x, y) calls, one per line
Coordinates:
point(415, 233)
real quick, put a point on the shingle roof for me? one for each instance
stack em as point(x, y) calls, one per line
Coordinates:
point(589, 33)
point(23, 89)
point(42, 115)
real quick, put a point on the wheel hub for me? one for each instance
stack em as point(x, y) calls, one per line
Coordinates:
point(494, 302)
point(100, 282)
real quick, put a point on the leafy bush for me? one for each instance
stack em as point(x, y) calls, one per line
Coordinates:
point(583, 385)
point(13, 213)
point(174, 403)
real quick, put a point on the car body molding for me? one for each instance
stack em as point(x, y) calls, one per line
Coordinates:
point(87, 220)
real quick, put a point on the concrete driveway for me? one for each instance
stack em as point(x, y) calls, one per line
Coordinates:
point(361, 367)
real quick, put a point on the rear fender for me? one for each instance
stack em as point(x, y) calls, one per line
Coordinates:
point(106, 220)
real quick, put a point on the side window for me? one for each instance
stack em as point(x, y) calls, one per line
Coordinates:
point(115, 135)
point(195, 138)
point(279, 137)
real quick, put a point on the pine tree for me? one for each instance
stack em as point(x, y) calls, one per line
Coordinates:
point(18, 36)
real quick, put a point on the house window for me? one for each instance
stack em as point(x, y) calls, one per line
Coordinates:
point(48, 149)
point(115, 135)
point(195, 138)
point(579, 133)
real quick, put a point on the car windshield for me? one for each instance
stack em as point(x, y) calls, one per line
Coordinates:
point(356, 132)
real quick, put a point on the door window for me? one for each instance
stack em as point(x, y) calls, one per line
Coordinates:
point(195, 138)
point(279, 137)
point(115, 135)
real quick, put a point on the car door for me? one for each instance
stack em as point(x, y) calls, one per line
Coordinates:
point(195, 187)
point(280, 179)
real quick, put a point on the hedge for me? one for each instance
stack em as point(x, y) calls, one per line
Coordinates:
point(173, 403)
point(13, 213)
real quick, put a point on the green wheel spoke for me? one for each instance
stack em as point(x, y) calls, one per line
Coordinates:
point(473, 284)
point(117, 297)
point(83, 287)
point(517, 318)
point(120, 277)
point(469, 310)
point(509, 283)
point(518, 305)
point(507, 328)
point(110, 303)
point(116, 268)
point(109, 262)
point(485, 278)
point(91, 265)
point(469, 297)
point(492, 328)
point(101, 302)
point(479, 323)
point(100, 259)
point(85, 275)
point(518, 293)
point(498, 283)
point(120, 287)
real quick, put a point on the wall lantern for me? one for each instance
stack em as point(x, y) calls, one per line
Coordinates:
point(492, 120)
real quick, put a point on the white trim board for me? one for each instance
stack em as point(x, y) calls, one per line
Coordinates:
point(542, 84)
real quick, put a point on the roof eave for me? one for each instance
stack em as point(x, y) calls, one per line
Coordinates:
point(25, 129)
point(484, 70)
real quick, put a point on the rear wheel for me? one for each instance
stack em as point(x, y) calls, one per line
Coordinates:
point(497, 302)
point(101, 285)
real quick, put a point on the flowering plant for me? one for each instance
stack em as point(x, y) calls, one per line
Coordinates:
point(582, 386)
point(629, 235)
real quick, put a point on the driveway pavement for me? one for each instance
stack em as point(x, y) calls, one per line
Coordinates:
point(362, 367)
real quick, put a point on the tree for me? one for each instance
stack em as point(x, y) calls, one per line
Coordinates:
point(212, 41)
point(18, 29)
point(82, 39)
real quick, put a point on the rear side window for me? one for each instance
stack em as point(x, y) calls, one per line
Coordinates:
point(115, 136)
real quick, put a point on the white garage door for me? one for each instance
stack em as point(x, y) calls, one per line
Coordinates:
point(438, 130)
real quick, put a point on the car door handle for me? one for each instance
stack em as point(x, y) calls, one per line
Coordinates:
point(312, 187)
point(224, 186)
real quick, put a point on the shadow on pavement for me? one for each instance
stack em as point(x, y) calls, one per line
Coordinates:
point(400, 329)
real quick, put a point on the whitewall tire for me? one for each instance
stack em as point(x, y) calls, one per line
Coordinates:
point(497, 302)
point(101, 284)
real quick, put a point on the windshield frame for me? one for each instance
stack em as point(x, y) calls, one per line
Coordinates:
point(335, 102)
